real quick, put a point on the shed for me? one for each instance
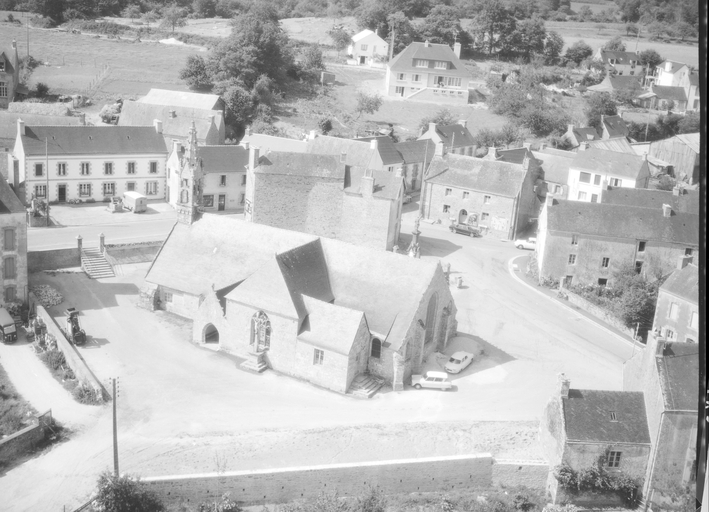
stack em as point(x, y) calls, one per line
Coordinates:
point(682, 152)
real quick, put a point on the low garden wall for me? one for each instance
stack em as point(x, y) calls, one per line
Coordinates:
point(598, 312)
point(26, 439)
point(139, 252)
point(53, 259)
point(527, 473)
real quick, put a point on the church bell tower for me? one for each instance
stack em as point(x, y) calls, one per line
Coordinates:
point(189, 201)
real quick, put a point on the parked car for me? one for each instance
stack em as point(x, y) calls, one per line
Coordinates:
point(465, 229)
point(530, 244)
point(8, 330)
point(408, 199)
point(458, 362)
point(434, 380)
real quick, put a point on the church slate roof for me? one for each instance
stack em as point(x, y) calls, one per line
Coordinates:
point(678, 369)
point(465, 172)
point(92, 140)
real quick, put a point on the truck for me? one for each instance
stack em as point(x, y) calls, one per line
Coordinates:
point(8, 330)
point(135, 202)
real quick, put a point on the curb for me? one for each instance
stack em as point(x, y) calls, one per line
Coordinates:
point(511, 270)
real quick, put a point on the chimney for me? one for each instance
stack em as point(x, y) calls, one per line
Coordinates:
point(602, 118)
point(312, 134)
point(173, 114)
point(440, 150)
point(366, 185)
point(677, 190)
point(564, 385)
point(373, 144)
point(427, 44)
point(253, 157)
point(491, 153)
point(245, 145)
point(343, 157)
point(376, 31)
point(248, 131)
point(456, 49)
point(432, 127)
point(570, 128)
point(668, 66)
point(82, 116)
point(683, 261)
point(175, 145)
point(20, 127)
point(158, 125)
point(666, 210)
point(463, 123)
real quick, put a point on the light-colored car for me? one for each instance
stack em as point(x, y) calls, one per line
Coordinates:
point(530, 244)
point(433, 380)
point(458, 362)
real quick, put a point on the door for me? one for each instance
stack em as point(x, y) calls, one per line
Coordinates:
point(222, 203)
point(62, 193)
point(362, 59)
point(462, 216)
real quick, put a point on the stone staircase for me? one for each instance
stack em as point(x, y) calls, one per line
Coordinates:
point(364, 386)
point(254, 363)
point(95, 265)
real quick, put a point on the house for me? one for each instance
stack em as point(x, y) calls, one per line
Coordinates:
point(690, 83)
point(367, 47)
point(311, 307)
point(576, 135)
point(416, 156)
point(272, 143)
point(223, 168)
point(592, 170)
point(176, 121)
point(613, 127)
point(181, 99)
point(667, 373)
point(13, 224)
point(555, 165)
point(682, 153)
point(456, 138)
point(323, 196)
point(582, 428)
point(582, 243)
point(429, 72)
point(677, 74)
point(622, 63)
point(9, 75)
point(677, 310)
point(679, 199)
point(386, 151)
point(376, 153)
point(625, 85)
point(497, 196)
point(664, 97)
point(59, 163)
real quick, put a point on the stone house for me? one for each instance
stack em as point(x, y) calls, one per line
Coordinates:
point(582, 427)
point(367, 47)
point(89, 162)
point(555, 165)
point(223, 168)
point(497, 196)
point(311, 307)
point(456, 138)
point(272, 143)
point(667, 373)
point(622, 63)
point(324, 196)
point(9, 75)
point(429, 72)
point(13, 227)
point(593, 170)
point(679, 199)
point(416, 156)
point(586, 243)
point(376, 153)
point(677, 309)
point(682, 153)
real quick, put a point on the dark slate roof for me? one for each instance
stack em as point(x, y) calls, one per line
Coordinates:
point(620, 221)
point(301, 164)
point(223, 158)
point(93, 140)
point(609, 162)
point(8, 123)
point(615, 126)
point(618, 144)
point(466, 172)
point(686, 202)
point(357, 153)
point(135, 113)
point(455, 135)
point(622, 58)
point(431, 52)
point(514, 155)
point(684, 283)
point(414, 151)
point(9, 203)
point(587, 416)
point(666, 92)
point(386, 149)
point(678, 369)
point(555, 166)
point(386, 184)
point(580, 134)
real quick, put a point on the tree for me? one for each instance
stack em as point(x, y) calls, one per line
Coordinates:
point(443, 117)
point(689, 123)
point(312, 58)
point(650, 59)
point(599, 104)
point(528, 38)
point(373, 500)
point(205, 8)
point(632, 29)
point(578, 52)
point(195, 73)
point(404, 32)
point(492, 21)
point(553, 46)
point(630, 10)
point(442, 26)
point(636, 304)
point(150, 17)
point(656, 30)
point(240, 105)
point(125, 494)
point(341, 39)
point(367, 103)
point(131, 12)
point(614, 45)
point(372, 15)
point(684, 30)
point(173, 17)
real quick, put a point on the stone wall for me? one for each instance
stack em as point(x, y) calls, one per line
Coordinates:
point(598, 312)
point(527, 473)
point(141, 252)
point(633, 461)
point(26, 439)
point(53, 259)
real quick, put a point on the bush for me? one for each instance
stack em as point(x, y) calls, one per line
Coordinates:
point(91, 200)
point(41, 90)
point(124, 494)
point(54, 359)
point(42, 22)
point(85, 395)
point(104, 27)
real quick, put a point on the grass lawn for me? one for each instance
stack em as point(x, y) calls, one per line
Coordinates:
point(15, 412)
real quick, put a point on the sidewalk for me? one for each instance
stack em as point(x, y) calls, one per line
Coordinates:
point(521, 262)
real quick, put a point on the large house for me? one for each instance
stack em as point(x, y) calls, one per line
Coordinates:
point(593, 170)
point(429, 72)
point(496, 196)
point(677, 74)
point(311, 307)
point(367, 47)
point(677, 310)
point(59, 163)
point(322, 195)
point(555, 165)
point(586, 243)
point(622, 63)
point(13, 228)
point(456, 138)
point(9, 75)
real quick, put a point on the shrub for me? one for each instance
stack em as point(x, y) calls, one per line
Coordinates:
point(325, 125)
point(53, 358)
point(85, 395)
point(124, 494)
point(41, 90)
point(91, 200)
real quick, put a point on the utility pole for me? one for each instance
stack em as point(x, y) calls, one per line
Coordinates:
point(115, 430)
point(28, 37)
point(46, 164)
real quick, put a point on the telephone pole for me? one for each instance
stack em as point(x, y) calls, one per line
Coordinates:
point(115, 430)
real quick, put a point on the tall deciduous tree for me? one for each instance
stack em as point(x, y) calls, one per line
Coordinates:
point(195, 73)
point(614, 45)
point(553, 45)
point(442, 26)
point(492, 21)
point(173, 17)
point(341, 39)
point(528, 38)
point(404, 32)
point(367, 103)
point(578, 52)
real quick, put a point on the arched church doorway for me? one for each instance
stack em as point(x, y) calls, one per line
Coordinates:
point(211, 334)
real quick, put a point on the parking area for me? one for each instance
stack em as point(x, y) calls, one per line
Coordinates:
point(86, 214)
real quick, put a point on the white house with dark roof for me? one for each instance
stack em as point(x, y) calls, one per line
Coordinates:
point(59, 163)
point(456, 138)
point(367, 47)
point(13, 248)
point(311, 307)
point(429, 72)
point(623, 63)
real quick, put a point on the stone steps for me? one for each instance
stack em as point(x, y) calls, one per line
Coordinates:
point(254, 363)
point(95, 265)
point(364, 386)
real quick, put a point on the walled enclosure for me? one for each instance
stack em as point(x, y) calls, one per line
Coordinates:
point(26, 439)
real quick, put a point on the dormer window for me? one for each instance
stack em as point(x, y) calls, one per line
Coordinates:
point(2, 65)
point(420, 63)
point(441, 64)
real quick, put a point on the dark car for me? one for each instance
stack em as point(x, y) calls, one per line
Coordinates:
point(465, 229)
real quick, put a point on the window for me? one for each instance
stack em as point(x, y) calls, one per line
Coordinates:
point(168, 297)
point(674, 311)
point(585, 177)
point(416, 78)
point(572, 259)
point(40, 191)
point(694, 320)
point(39, 169)
point(420, 63)
point(594, 198)
point(130, 186)
point(153, 167)
point(447, 81)
point(208, 201)
point(109, 189)
point(399, 91)
point(376, 351)
point(9, 268)
point(602, 281)
point(151, 188)
point(638, 267)
point(10, 293)
point(669, 334)
point(243, 179)
point(364, 47)
point(222, 180)
point(131, 167)
point(242, 198)
point(85, 189)
point(401, 76)
point(2, 65)
point(441, 65)
point(61, 169)
point(582, 196)
point(614, 459)
point(8, 240)
point(484, 216)
point(486, 199)
point(108, 167)
point(616, 182)
point(449, 191)
point(613, 415)
point(641, 245)
point(605, 262)
point(466, 195)
point(688, 251)
point(446, 208)
point(85, 168)
point(3, 90)
point(596, 179)
point(574, 239)
point(318, 356)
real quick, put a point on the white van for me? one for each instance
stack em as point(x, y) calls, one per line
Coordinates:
point(135, 202)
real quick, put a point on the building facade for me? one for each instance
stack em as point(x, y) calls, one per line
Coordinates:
point(13, 229)
point(367, 47)
point(622, 63)
point(9, 75)
point(677, 310)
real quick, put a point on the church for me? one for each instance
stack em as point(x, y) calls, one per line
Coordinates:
point(307, 306)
